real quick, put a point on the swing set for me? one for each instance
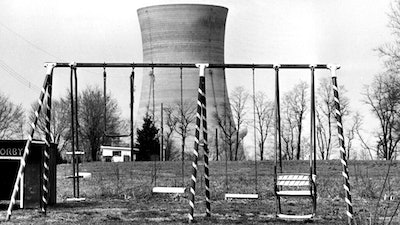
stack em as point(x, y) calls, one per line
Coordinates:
point(304, 181)
point(167, 189)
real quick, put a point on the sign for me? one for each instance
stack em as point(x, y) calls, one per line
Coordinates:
point(13, 152)
point(12, 148)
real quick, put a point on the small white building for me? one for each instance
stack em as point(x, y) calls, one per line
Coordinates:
point(117, 154)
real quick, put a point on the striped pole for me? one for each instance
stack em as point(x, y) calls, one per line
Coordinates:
point(343, 158)
point(196, 140)
point(206, 151)
point(46, 153)
point(21, 170)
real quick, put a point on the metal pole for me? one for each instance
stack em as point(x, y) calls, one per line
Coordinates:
point(343, 158)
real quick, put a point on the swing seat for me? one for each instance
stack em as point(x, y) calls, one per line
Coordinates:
point(76, 153)
point(295, 185)
point(241, 196)
point(75, 199)
point(169, 190)
point(295, 217)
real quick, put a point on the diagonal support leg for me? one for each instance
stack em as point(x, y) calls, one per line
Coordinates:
point(21, 169)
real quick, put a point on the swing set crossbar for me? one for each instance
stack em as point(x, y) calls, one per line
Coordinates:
point(191, 65)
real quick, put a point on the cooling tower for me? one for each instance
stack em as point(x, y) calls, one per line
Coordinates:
point(183, 33)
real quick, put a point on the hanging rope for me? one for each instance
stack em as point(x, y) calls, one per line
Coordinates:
point(132, 103)
point(182, 152)
point(151, 91)
point(254, 130)
point(277, 143)
point(76, 130)
point(226, 151)
point(105, 100)
point(73, 128)
point(105, 133)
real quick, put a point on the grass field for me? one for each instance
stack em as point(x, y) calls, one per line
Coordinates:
point(120, 193)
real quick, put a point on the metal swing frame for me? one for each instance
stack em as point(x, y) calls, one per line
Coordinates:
point(46, 90)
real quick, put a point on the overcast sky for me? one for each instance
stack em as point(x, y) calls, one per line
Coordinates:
point(257, 31)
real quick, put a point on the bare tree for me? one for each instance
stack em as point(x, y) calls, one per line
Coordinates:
point(288, 126)
point(351, 132)
point(383, 96)
point(171, 123)
point(294, 109)
point(366, 147)
point(390, 52)
point(325, 115)
point(11, 118)
point(91, 119)
point(238, 100)
point(227, 126)
point(298, 105)
point(184, 116)
point(264, 109)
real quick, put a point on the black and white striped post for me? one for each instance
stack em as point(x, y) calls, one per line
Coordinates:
point(206, 150)
point(343, 158)
point(200, 99)
point(21, 170)
point(46, 152)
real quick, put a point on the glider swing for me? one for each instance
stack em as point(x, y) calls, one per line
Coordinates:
point(113, 135)
point(294, 184)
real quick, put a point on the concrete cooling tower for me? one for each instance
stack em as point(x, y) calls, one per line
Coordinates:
point(183, 33)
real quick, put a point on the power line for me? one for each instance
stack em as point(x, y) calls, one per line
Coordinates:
point(29, 42)
point(12, 72)
point(21, 79)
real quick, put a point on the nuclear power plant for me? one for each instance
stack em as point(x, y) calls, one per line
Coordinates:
point(183, 33)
